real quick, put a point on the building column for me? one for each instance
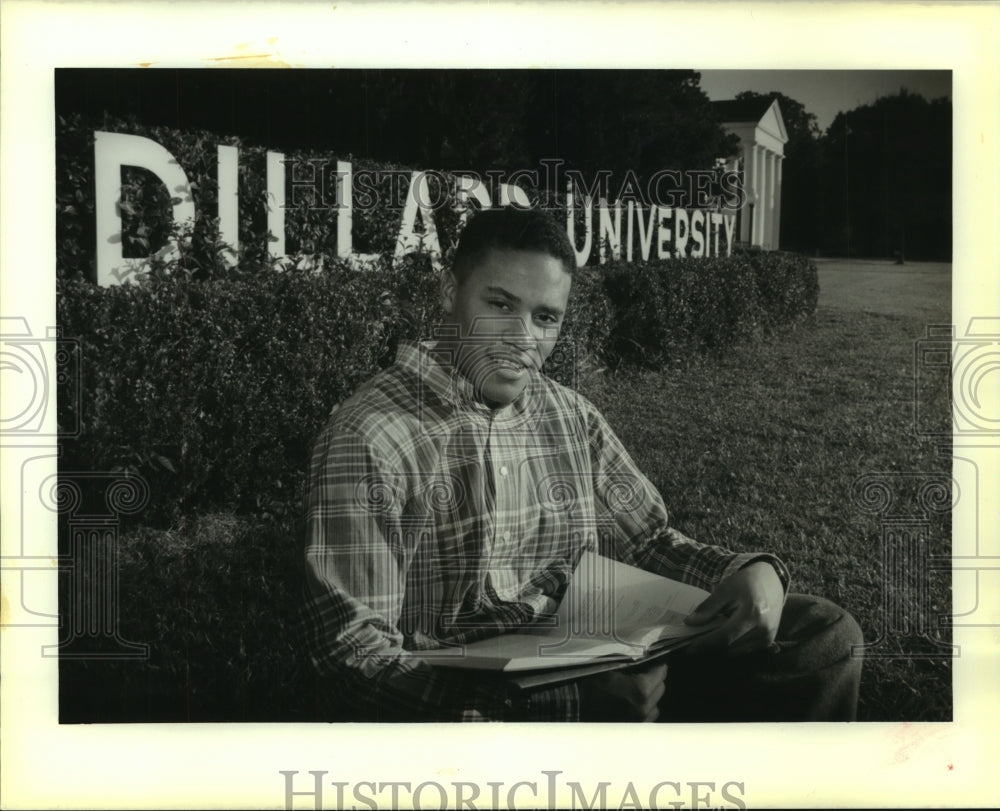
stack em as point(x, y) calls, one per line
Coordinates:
point(776, 239)
point(748, 185)
point(760, 187)
point(772, 161)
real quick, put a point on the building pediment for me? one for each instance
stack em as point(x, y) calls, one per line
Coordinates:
point(772, 123)
point(755, 122)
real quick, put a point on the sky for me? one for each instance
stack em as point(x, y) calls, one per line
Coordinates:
point(827, 92)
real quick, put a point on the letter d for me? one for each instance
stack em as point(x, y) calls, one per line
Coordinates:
point(112, 151)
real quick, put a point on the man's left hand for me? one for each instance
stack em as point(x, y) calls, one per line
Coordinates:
point(751, 602)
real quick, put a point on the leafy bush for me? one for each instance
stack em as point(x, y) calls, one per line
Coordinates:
point(787, 287)
point(215, 600)
point(214, 390)
point(668, 312)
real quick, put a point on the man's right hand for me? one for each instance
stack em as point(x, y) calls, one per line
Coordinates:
point(623, 695)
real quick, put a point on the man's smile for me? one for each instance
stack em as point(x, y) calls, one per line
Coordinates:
point(511, 363)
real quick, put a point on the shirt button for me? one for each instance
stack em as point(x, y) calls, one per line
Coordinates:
point(503, 470)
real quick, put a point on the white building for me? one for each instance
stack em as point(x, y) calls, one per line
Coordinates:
point(761, 130)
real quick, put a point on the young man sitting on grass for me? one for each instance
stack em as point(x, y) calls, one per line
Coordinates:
point(451, 496)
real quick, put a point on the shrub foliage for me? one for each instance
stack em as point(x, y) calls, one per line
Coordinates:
point(213, 390)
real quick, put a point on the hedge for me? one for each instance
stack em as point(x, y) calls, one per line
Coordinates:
point(668, 312)
point(214, 390)
point(215, 601)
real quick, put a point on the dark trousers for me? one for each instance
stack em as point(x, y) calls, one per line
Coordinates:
point(811, 674)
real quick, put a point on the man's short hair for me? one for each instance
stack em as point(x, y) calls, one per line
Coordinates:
point(511, 229)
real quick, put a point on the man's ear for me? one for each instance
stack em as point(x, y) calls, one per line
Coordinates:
point(449, 288)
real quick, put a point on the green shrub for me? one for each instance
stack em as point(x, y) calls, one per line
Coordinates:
point(214, 390)
point(787, 285)
point(215, 601)
point(586, 330)
point(667, 312)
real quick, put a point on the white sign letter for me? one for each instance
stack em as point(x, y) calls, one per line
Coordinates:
point(470, 187)
point(112, 151)
point(730, 222)
point(663, 232)
point(698, 232)
point(418, 200)
point(276, 205)
point(609, 236)
point(229, 201)
point(588, 214)
point(681, 234)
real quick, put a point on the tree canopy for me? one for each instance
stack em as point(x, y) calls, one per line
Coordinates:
point(643, 120)
point(877, 182)
point(887, 172)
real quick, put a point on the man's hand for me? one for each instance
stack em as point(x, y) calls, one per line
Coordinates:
point(751, 601)
point(623, 695)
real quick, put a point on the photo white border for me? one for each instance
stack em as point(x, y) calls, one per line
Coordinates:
point(237, 766)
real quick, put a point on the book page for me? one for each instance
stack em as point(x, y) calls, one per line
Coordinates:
point(610, 609)
point(519, 651)
point(606, 598)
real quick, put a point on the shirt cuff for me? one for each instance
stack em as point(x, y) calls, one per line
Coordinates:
point(560, 702)
point(742, 560)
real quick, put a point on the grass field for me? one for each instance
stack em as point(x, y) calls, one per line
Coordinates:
point(756, 450)
point(761, 449)
point(918, 289)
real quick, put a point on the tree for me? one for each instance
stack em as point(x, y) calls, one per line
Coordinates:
point(592, 120)
point(619, 120)
point(888, 169)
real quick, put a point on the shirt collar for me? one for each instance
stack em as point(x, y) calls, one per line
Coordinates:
point(433, 368)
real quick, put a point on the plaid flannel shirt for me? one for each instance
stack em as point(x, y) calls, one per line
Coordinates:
point(433, 520)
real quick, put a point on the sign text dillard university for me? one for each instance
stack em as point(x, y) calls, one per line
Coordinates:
point(625, 229)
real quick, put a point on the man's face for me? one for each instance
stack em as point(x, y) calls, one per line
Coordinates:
point(508, 310)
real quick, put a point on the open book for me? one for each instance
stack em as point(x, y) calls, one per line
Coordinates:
point(611, 613)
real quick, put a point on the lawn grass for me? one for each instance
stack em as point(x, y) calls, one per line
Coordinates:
point(915, 288)
point(759, 449)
